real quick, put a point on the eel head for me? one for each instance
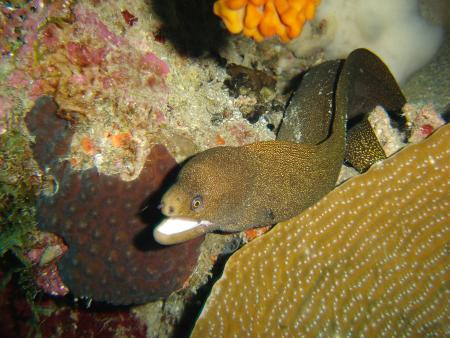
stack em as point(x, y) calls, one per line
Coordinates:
point(199, 201)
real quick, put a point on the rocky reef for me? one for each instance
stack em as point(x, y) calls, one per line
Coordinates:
point(129, 102)
point(369, 259)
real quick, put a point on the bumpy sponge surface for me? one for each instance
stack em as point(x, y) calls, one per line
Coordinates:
point(261, 19)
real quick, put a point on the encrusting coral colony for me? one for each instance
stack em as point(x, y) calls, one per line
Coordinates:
point(260, 19)
point(128, 273)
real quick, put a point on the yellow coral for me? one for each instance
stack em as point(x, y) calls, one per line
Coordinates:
point(260, 19)
point(370, 259)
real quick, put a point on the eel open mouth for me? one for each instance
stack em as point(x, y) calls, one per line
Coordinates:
point(175, 230)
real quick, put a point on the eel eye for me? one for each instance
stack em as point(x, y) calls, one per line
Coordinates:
point(196, 202)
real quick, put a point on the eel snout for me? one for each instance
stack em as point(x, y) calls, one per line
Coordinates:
point(181, 224)
point(175, 230)
point(167, 209)
point(173, 203)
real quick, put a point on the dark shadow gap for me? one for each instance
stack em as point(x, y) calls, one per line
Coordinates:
point(191, 26)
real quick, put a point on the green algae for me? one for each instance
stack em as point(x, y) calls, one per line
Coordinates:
point(17, 213)
point(18, 185)
point(17, 193)
point(17, 221)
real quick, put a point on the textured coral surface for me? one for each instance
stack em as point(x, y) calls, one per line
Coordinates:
point(370, 259)
point(106, 222)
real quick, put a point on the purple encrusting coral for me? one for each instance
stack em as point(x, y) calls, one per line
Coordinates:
point(111, 256)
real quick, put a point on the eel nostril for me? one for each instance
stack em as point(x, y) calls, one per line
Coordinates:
point(160, 206)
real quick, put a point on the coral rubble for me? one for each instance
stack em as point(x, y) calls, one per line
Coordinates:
point(101, 219)
point(370, 259)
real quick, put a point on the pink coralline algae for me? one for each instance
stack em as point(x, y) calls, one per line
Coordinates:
point(20, 22)
point(86, 66)
point(43, 257)
point(12, 20)
point(106, 222)
point(152, 62)
point(83, 55)
point(103, 33)
point(49, 280)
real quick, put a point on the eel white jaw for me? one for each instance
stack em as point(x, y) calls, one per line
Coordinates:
point(173, 230)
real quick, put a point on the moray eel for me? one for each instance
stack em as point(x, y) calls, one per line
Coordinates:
point(235, 188)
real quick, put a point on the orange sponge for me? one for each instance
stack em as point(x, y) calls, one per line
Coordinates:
point(261, 19)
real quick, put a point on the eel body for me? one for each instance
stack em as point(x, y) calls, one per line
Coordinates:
point(236, 188)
